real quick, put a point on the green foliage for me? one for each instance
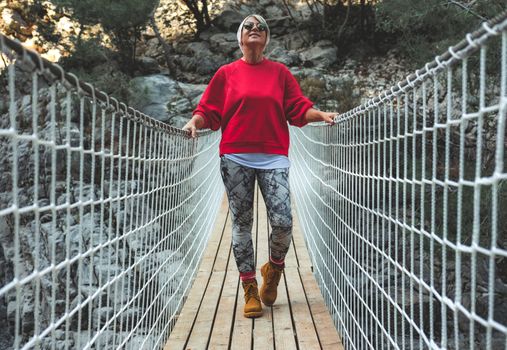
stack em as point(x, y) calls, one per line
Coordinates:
point(348, 24)
point(314, 89)
point(93, 63)
point(419, 30)
point(125, 15)
point(29, 10)
point(423, 29)
point(123, 20)
point(113, 15)
point(108, 78)
point(86, 54)
point(343, 95)
point(86, 12)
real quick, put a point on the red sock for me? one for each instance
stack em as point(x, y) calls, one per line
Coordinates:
point(247, 276)
point(277, 263)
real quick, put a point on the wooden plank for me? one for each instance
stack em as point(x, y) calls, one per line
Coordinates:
point(242, 332)
point(328, 335)
point(221, 330)
point(282, 322)
point(305, 330)
point(305, 263)
point(216, 236)
point(290, 258)
point(282, 319)
point(221, 333)
point(187, 315)
point(204, 321)
point(222, 259)
point(201, 330)
point(263, 326)
point(179, 334)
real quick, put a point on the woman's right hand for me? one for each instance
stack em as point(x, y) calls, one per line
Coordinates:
point(191, 129)
point(193, 124)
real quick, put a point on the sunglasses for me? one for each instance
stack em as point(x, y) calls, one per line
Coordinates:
point(250, 25)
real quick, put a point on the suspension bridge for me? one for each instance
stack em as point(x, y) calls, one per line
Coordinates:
point(114, 231)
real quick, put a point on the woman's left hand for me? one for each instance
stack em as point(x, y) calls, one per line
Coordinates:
point(314, 115)
point(328, 118)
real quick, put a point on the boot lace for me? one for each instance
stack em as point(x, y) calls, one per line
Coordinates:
point(251, 292)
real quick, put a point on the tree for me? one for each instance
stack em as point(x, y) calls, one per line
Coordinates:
point(424, 28)
point(200, 13)
point(123, 20)
point(347, 23)
point(165, 46)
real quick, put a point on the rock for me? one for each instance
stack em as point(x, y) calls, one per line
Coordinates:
point(273, 14)
point(181, 105)
point(64, 24)
point(47, 343)
point(32, 45)
point(199, 59)
point(245, 10)
point(273, 44)
point(297, 40)
point(500, 287)
point(228, 20)
point(277, 21)
point(150, 92)
point(301, 12)
point(307, 72)
point(199, 48)
point(103, 313)
point(141, 342)
point(322, 55)
point(288, 58)
point(500, 313)
point(157, 95)
point(148, 65)
point(152, 48)
point(149, 33)
point(14, 22)
point(208, 33)
point(52, 55)
point(224, 43)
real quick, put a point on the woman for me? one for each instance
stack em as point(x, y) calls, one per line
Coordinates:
point(251, 100)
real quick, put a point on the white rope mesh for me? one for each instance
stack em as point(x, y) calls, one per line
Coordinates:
point(104, 213)
point(403, 204)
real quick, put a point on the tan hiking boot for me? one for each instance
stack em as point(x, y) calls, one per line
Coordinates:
point(271, 276)
point(253, 307)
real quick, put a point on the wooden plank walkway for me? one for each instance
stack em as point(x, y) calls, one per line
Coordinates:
point(212, 317)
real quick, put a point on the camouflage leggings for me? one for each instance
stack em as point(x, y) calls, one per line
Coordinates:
point(239, 182)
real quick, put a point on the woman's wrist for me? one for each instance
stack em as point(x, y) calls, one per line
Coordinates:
point(197, 120)
point(314, 115)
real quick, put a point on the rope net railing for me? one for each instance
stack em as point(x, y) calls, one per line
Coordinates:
point(403, 204)
point(104, 213)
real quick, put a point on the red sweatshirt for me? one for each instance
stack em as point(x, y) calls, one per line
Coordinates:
point(252, 103)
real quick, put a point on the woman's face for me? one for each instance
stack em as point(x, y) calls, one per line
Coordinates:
point(253, 33)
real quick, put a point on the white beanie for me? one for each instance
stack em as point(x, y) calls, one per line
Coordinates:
point(261, 20)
